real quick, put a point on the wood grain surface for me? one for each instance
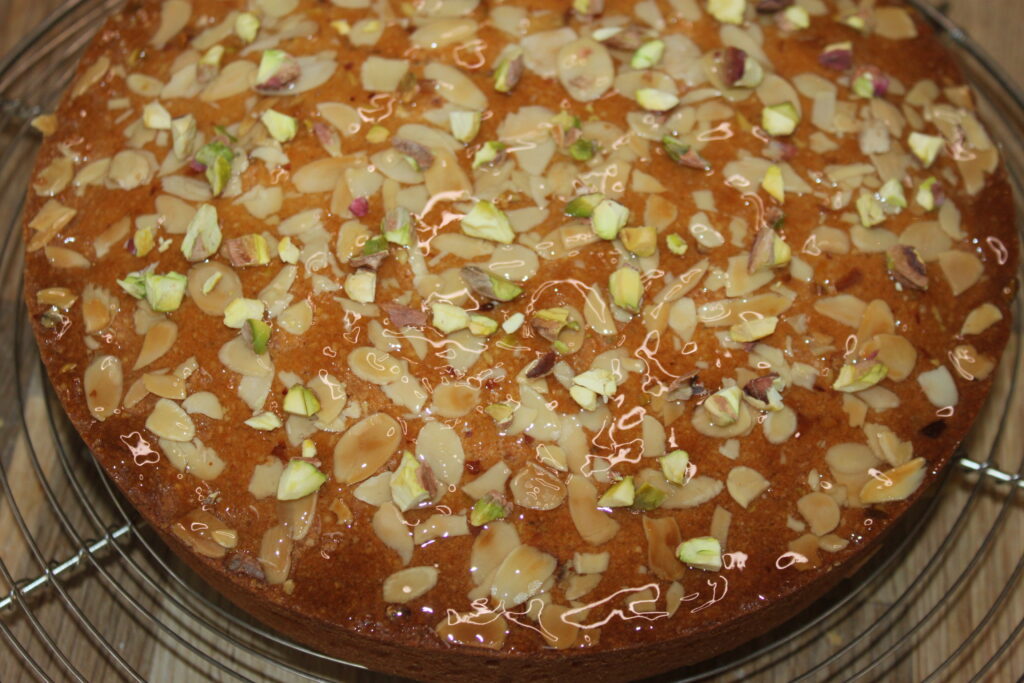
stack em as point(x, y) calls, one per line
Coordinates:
point(164, 655)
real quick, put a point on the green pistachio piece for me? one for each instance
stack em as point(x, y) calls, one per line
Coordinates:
point(619, 495)
point(247, 250)
point(892, 194)
point(280, 126)
point(796, 17)
point(582, 150)
point(143, 241)
point(488, 222)
point(727, 11)
point(653, 99)
point(407, 489)
point(465, 125)
point(264, 422)
point(287, 251)
point(134, 284)
point(247, 25)
point(583, 206)
point(449, 318)
point(299, 479)
point(509, 70)
point(259, 331)
point(489, 285)
point(361, 286)
point(488, 153)
point(239, 311)
point(780, 120)
point(703, 552)
point(855, 377)
point(627, 289)
point(203, 235)
point(481, 325)
point(488, 509)
point(608, 218)
point(724, 406)
point(871, 211)
point(375, 245)
point(926, 147)
point(217, 158)
point(675, 466)
point(642, 241)
point(648, 54)
point(676, 244)
point(396, 226)
point(164, 292)
point(377, 134)
point(774, 184)
point(648, 497)
point(301, 401)
point(753, 74)
point(925, 196)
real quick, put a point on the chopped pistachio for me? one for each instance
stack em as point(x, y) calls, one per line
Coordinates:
point(375, 245)
point(156, 117)
point(860, 376)
point(727, 11)
point(259, 331)
point(164, 292)
point(308, 448)
point(653, 99)
point(361, 286)
point(892, 194)
point(627, 288)
point(407, 489)
point(796, 17)
point(605, 32)
point(588, 8)
point(488, 222)
point(299, 479)
point(134, 284)
point(210, 60)
point(143, 241)
point(277, 70)
point(212, 281)
point(481, 325)
point(560, 347)
point(780, 120)
point(648, 497)
point(183, 132)
point(642, 241)
point(448, 318)
point(583, 206)
point(752, 330)
point(203, 235)
point(586, 398)
point(287, 251)
point(703, 552)
point(868, 83)
point(247, 25)
point(301, 401)
point(488, 509)
point(724, 406)
point(763, 392)
point(774, 184)
point(549, 322)
point(648, 54)
point(501, 413)
point(377, 134)
point(600, 381)
point(582, 149)
point(753, 73)
point(871, 211)
point(280, 126)
point(925, 196)
point(465, 125)
point(241, 310)
point(608, 218)
point(341, 26)
point(619, 495)
point(513, 323)
point(675, 148)
point(265, 422)
point(489, 285)
point(926, 147)
point(676, 244)
point(396, 226)
point(217, 158)
point(675, 466)
point(906, 266)
point(509, 70)
point(247, 250)
point(769, 251)
point(489, 152)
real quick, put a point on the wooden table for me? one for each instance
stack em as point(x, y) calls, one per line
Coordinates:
point(997, 24)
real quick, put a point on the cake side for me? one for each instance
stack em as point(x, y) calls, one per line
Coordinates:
point(872, 278)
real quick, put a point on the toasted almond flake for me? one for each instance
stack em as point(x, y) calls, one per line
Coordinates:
point(102, 384)
point(844, 308)
point(174, 15)
point(473, 630)
point(226, 287)
point(193, 457)
point(390, 528)
point(205, 534)
point(54, 177)
point(585, 69)
point(408, 584)
point(233, 79)
point(169, 421)
point(440, 447)
point(440, 526)
point(780, 425)
point(492, 480)
point(521, 575)
point(962, 270)
point(454, 400)
point(91, 76)
point(893, 485)
point(663, 537)
point(970, 364)
point(893, 351)
point(159, 340)
point(537, 488)
point(50, 220)
point(455, 86)
point(821, 512)
point(939, 387)
point(980, 319)
point(593, 525)
point(62, 257)
point(164, 385)
point(298, 515)
point(237, 355)
point(371, 365)
point(275, 554)
point(365, 447)
point(204, 403)
point(745, 484)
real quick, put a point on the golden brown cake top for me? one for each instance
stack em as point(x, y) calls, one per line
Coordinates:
point(520, 325)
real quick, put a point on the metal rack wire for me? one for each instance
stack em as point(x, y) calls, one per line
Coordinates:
point(105, 600)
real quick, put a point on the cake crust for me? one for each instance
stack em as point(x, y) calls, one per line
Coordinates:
point(315, 567)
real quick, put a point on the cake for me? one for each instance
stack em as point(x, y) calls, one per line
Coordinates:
point(520, 339)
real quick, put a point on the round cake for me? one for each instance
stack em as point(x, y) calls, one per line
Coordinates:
point(520, 339)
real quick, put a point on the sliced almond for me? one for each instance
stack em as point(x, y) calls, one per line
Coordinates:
point(895, 352)
point(745, 484)
point(894, 485)
point(98, 308)
point(663, 537)
point(276, 554)
point(537, 488)
point(939, 387)
point(962, 270)
point(980, 319)
point(164, 385)
point(780, 425)
point(844, 308)
point(453, 400)
point(821, 512)
point(103, 383)
point(440, 447)
point(365, 447)
point(408, 584)
point(193, 457)
point(970, 364)
point(237, 355)
point(205, 534)
point(158, 340)
point(440, 526)
point(593, 525)
point(169, 421)
point(392, 531)
point(521, 575)
point(473, 630)
point(212, 286)
point(558, 629)
point(372, 365)
point(298, 515)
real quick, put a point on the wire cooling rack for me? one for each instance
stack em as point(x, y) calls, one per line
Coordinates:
point(88, 593)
